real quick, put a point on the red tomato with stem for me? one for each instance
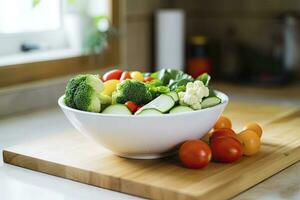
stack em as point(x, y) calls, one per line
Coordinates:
point(125, 75)
point(131, 106)
point(112, 75)
point(226, 149)
point(195, 154)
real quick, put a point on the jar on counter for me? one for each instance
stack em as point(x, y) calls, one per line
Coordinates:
point(198, 61)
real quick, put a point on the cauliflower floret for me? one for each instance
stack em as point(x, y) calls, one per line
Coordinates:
point(195, 91)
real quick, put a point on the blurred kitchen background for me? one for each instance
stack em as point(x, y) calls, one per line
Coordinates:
point(251, 48)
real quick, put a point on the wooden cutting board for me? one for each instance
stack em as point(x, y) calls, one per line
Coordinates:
point(71, 156)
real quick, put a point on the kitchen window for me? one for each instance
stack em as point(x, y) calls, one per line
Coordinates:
point(25, 26)
point(46, 40)
point(41, 30)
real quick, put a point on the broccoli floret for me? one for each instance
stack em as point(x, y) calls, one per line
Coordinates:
point(84, 92)
point(71, 89)
point(132, 90)
point(86, 99)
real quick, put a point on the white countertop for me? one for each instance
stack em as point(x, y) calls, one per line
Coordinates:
point(17, 183)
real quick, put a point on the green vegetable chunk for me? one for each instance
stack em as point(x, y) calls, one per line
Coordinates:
point(212, 92)
point(172, 78)
point(210, 102)
point(71, 89)
point(163, 103)
point(181, 88)
point(84, 93)
point(119, 109)
point(105, 99)
point(150, 111)
point(205, 78)
point(88, 96)
point(155, 87)
point(181, 109)
point(86, 99)
point(132, 90)
point(174, 95)
point(154, 83)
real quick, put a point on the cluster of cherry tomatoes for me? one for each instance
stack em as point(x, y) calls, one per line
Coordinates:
point(120, 75)
point(223, 145)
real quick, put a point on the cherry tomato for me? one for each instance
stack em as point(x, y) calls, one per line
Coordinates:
point(125, 75)
point(112, 75)
point(148, 79)
point(139, 106)
point(223, 122)
point(223, 132)
point(250, 142)
point(131, 106)
point(254, 127)
point(195, 154)
point(226, 149)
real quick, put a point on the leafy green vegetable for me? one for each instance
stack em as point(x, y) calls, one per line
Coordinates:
point(205, 78)
point(156, 91)
point(155, 87)
point(163, 89)
point(154, 83)
point(175, 84)
point(211, 92)
point(132, 90)
point(172, 78)
point(155, 75)
point(181, 88)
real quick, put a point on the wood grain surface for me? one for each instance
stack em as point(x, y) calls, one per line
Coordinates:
point(286, 93)
point(71, 156)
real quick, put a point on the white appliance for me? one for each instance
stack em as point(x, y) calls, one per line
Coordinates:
point(169, 39)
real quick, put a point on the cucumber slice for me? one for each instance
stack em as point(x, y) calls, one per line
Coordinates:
point(119, 109)
point(210, 101)
point(150, 111)
point(163, 103)
point(174, 95)
point(181, 109)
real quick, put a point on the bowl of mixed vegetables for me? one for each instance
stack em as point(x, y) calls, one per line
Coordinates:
point(142, 115)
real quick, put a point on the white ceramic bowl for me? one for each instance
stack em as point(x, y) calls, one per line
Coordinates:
point(144, 137)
